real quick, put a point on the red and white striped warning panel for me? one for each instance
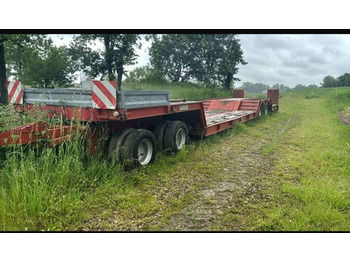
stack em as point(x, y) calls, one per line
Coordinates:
point(15, 92)
point(104, 94)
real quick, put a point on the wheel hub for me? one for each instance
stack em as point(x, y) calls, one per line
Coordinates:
point(144, 152)
point(180, 138)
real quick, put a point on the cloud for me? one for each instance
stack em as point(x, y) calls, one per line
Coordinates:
point(293, 59)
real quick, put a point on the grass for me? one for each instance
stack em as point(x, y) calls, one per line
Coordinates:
point(307, 186)
point(315, 160)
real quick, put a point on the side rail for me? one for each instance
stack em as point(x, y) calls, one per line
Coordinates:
point(93, 94)
point(37, 132)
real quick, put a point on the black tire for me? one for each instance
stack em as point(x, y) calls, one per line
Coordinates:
point(172, 131)
point(116, 143)
point(262, 111)
point(159, 133)
point(139, 149)
point(266, 109)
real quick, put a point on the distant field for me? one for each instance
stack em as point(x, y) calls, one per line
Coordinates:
point(289, 170)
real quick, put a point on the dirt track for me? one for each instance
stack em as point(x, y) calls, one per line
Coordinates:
point(224, 187)
point(239, 189)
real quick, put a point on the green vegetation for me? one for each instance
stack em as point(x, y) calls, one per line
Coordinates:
point(330, 81)
point(210, 59)
point(259, 88)
point(180, 91)
point(118, 51)
point(287, 171)
point(315, 160)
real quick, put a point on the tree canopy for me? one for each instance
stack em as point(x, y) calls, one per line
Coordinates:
point(110, 61)
point(211, 59)
point(48, 67)
point(17, 48)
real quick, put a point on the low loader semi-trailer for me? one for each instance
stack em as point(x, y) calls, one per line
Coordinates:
point(134, 124)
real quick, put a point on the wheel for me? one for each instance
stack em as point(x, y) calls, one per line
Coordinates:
point(263, 110)
point(175, 137)
point(116, 142)
point(139, 149)
point(159, 132)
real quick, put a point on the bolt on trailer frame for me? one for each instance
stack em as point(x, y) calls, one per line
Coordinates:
point(148, 117)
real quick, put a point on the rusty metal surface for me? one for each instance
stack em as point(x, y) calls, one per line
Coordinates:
point(37, 131)
point(250, 104)
point(274, 95)
point(217, 117)
point(238, 93)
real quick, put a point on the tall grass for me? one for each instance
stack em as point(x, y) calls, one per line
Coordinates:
point(42, 187)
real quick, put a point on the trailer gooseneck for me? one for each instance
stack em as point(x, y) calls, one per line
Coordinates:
point(138, 123)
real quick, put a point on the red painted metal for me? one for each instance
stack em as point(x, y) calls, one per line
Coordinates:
point(31, 133)
point(238, 93)
point(225, 104)
point(274, 95)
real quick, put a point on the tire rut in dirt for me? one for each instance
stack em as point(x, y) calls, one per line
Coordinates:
point(239, 188)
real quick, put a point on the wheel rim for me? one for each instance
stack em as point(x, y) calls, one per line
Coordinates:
point(180, 138)
point(144, 152)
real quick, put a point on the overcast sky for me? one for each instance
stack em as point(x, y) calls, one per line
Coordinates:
point(284, 59)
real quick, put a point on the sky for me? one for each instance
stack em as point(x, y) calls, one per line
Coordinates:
point(279, 58)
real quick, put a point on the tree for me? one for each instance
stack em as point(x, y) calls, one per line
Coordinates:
point(344, 80)
point(312, 86)
point(11, 46)
point(170, 55)
point(3, 89)
point(255, 87)
point(329, 81)
point(207, 53)
point(118, 51)
point(48, 67)
point(300, 87)
point(281, 87)
point(215, 58)
point(208, 58)
point(232, 56)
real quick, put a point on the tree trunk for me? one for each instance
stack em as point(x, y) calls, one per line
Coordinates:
point(120, 77)
point(109, 57)
point(228, 81)
point(3, 89)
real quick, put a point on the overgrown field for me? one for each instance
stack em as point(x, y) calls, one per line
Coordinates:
point(289, 170)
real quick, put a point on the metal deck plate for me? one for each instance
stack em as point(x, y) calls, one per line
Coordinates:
point(217, 117)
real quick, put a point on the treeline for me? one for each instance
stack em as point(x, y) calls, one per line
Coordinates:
point(36, 61)
point(330, 81)
point(262, 88)
point(210, 59)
